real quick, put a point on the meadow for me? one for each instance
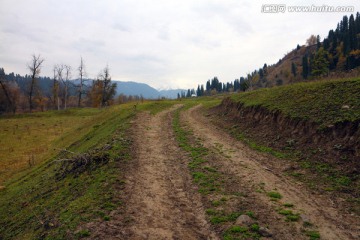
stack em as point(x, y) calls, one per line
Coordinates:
point(27, 140)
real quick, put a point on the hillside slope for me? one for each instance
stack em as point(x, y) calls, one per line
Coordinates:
point(315, 124)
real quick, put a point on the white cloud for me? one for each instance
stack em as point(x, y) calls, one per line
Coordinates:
point(162, 43)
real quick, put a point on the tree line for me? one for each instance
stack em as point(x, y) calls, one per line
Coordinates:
point(338, 52)
point(32, 92)
point(214, 86)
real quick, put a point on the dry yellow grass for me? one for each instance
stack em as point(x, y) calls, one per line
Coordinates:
point(29, 139)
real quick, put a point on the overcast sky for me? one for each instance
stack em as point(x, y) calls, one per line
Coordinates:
point(164, 43)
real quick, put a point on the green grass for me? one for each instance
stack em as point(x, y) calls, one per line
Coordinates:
point(83, 234)
point(206, 177)
point(313, 235)
point(290, 216)
point(274, 195)
point(48, 202)
point(323, 102)
point(242, 232)
point(222, 217)
point(290, 205)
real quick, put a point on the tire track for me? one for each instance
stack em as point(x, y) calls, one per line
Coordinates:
point(162, 203)
point(245, 164)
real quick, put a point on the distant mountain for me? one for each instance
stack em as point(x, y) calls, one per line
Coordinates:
point(127, 88)
point(135, 88)
point(171, 93)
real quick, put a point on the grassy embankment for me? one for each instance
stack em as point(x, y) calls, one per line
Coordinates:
point(323, 102)
point(329, 104)
point(47, 198)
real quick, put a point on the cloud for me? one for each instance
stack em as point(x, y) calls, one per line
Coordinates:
point(162, 43)
point(88, 45)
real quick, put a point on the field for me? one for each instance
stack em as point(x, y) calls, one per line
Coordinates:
point(27, 140)
point(167, 169)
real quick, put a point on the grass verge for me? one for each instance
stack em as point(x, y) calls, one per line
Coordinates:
point(323, 102)
point(52, 199)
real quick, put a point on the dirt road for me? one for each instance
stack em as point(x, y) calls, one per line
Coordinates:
point(162, 202)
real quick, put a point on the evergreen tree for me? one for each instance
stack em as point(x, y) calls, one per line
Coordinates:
point(236, 85)
point(208, 86)
point(305, 66)
point(344, 30)
point(311, 62)
point(320, 64)
point(318, 43)
point(198, 91)
point(353, 60)
point(244, 85)
point(352, 33)
point(261, 73)
point(188, 93)
point(265, 69)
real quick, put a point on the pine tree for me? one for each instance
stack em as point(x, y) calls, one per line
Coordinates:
point(261, 73)
point(198, 91)
point(208, 86)
point(202, 90)
point(236, 85)
point(305, 66)
point(318, 43)
point(188, 94)
point(352, 33)
point(320, 64)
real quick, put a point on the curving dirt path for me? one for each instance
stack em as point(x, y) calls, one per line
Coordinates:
point(255, 169)
point(162, 202)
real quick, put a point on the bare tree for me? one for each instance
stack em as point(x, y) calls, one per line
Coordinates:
point(66, 82)
point(63, 75)
point(311, 40)
point(35, 68)
point(55, 90)
point(60, 79)
point(82, 74)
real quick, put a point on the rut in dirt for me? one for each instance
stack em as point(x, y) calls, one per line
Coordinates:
point(162, 202)
point(253, 169)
